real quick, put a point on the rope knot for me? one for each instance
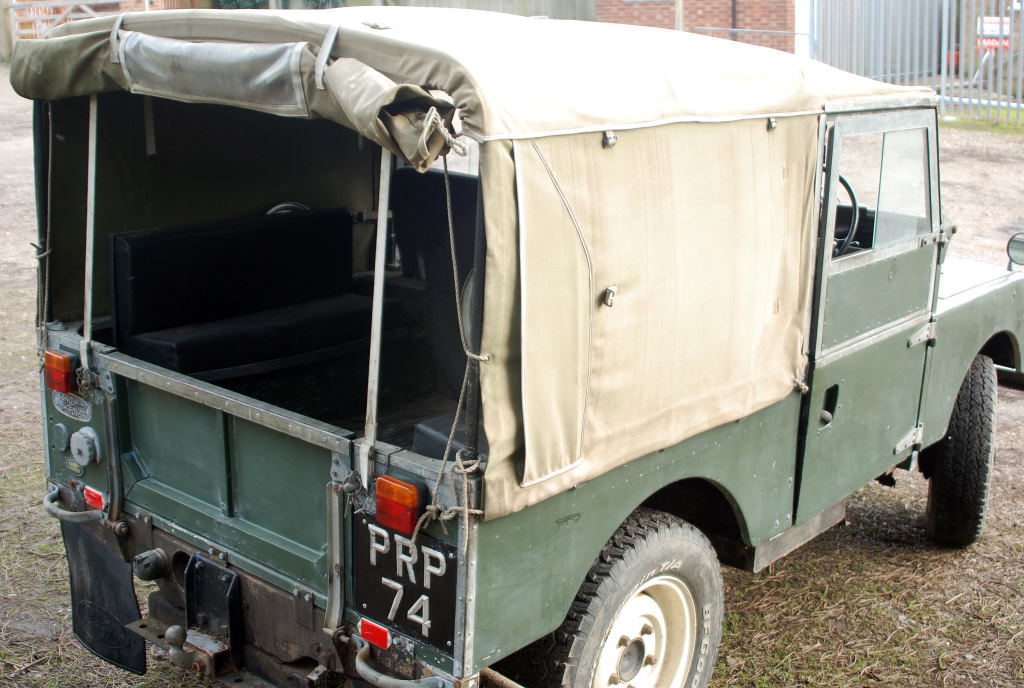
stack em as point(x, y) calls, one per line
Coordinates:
point(432, 122)
point(463, 467)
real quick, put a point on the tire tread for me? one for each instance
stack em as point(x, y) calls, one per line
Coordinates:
point(959, 485)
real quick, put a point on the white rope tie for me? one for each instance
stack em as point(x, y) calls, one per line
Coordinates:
point(433, 510)
point(432, 122)
point(483, 358)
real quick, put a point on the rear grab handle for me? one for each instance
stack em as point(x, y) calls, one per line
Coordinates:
point(376, 678)
point(50, 505)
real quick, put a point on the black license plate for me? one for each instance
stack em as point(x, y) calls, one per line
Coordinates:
point(404, 586)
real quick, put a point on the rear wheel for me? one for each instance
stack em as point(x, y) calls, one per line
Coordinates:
point(649, 614)
point(960, 465)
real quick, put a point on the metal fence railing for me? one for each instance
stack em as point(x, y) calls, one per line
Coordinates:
point(970, 51)
point(33, 18)
point(780, 40)
point(984, 74)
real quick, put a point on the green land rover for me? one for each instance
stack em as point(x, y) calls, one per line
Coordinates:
point(435, 348)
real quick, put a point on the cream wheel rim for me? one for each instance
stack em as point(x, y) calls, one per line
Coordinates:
point(652, 639)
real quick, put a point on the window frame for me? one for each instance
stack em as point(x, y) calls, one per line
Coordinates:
point(878, 123)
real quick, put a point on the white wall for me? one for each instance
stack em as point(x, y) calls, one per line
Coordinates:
point(5, 32)
point(802, 12)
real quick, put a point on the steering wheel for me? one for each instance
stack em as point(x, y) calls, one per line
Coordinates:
point(839, 246)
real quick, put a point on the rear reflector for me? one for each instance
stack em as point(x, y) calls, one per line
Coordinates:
point(93, 498)
point(398, 504)
point(374, 634)
point(59, 371)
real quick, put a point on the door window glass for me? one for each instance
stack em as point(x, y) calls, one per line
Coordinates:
point(860, 165)
point(885, 176)
point(903, 196)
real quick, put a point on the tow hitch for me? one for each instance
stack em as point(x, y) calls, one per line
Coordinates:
point(211, 641)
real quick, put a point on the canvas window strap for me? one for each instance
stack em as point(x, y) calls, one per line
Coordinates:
point(43, 252)
point(115, 40)
point(325, 53)
point(147, 120)
point(364, 457)
point(90, 235)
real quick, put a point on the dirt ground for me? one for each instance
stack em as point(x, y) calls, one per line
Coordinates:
point(868, 603)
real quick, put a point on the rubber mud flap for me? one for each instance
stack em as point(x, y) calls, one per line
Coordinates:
point(102, 600)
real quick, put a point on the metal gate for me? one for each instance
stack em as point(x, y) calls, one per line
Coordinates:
point(970, 51)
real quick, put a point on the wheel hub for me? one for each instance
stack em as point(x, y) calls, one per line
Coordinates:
point(631, 660)
point(652, 639)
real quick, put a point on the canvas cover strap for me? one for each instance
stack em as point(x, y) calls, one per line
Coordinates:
point(324, 54)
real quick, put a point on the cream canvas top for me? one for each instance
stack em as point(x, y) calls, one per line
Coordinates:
point(512, 77)
point(702, 216)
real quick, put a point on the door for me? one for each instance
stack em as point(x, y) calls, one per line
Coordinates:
point(877, 266)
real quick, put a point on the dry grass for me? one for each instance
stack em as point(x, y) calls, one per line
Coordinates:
point(874, 603)
point(870, 603)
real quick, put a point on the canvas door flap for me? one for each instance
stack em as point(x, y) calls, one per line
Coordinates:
point(259, 76)
point(705, 231)
point(557, 298)
point(704, 228)
point(404, 118)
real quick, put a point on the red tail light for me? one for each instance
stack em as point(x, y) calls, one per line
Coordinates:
point(93, 498)
point(398, 504)
point(374, 634)
point(59, 371)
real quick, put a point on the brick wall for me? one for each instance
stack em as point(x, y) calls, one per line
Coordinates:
point(770, 15)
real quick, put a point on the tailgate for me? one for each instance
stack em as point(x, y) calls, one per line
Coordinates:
point(223, 470)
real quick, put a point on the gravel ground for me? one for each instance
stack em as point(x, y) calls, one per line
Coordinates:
point(869, 603)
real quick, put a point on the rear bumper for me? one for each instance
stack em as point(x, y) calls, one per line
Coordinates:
point(278, 638)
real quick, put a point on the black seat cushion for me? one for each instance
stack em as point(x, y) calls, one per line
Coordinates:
point(276, 333)
point(250, 292)
point(166, 277)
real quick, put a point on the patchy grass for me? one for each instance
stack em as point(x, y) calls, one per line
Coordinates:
point(872, 602)
point(997, 125)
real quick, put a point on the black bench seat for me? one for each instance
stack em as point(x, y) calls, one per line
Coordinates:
point(258, 341)
point(219, 300)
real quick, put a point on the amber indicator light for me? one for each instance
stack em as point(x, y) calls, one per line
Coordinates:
point(398, 504)
point(58, 371)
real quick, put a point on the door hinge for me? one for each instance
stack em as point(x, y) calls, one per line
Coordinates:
point(913, 440)
point(926, 335)
point(939, 237)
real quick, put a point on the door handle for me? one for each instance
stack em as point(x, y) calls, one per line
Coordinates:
point(829, 405)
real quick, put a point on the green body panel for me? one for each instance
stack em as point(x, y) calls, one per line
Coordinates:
point(235, 483)
point(871, 389)
point(966, 320)
point(879, 389)
point(59, 466)
point(870, 296)
point(180, 445)
point(530, 564)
